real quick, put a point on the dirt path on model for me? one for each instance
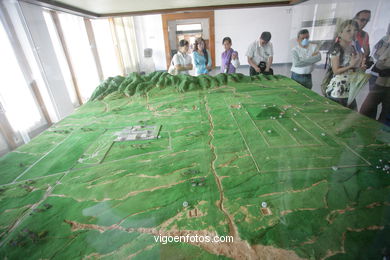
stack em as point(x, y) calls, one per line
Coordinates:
point(232, 227)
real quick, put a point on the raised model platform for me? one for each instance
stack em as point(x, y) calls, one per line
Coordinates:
point(285, 172)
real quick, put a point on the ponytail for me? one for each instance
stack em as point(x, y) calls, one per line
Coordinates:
point(206, 56)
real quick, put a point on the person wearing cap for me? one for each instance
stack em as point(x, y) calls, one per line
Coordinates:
point(260, 55)
point(362, 39)
point(304, 55)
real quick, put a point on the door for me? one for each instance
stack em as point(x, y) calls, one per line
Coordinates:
point(188, 26)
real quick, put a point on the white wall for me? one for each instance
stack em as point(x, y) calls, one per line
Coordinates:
point(149, 34)
point(244, 26)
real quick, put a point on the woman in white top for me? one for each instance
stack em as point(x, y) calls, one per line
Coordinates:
point(181, 62)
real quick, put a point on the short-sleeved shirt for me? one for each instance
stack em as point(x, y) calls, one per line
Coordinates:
point(182, 59)
point(339, 85)
point(260, 53)
point(346, 57)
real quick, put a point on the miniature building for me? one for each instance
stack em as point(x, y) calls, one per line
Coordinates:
point(132, 133)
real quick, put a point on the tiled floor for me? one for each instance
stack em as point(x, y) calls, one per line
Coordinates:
point(317, 76)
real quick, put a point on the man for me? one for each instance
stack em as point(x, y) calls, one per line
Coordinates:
point(379, 82)
point(362, 38)
point(303, 58)
point(382, 85)
point(260, 55)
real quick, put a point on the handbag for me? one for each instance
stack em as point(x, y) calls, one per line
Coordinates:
point(325, 82)
point(172, 69)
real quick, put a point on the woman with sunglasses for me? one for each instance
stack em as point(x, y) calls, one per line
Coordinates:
point(362, 38)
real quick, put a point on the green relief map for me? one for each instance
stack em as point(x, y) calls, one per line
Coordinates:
point(285, 172)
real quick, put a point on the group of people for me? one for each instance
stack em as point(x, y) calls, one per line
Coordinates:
point(182, 62)
point(349, 54)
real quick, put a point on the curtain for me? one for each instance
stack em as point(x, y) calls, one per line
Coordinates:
point(123, 32)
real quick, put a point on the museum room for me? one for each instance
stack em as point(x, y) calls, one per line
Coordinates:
point(222, 129)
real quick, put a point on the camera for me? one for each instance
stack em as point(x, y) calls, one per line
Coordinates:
point(369, 62)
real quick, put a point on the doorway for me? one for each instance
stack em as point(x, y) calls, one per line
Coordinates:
point(188, 26)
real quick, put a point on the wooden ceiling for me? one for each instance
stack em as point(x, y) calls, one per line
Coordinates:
point(107, 8)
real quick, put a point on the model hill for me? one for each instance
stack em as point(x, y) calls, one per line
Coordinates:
point(136, 84)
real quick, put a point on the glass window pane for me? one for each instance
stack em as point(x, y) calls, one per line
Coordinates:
point(106, 48)
point(60, 57)
point(80, 53)
point(189, 27)
point(16, 97)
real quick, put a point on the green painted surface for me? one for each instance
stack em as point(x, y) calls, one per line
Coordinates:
point(227, 144)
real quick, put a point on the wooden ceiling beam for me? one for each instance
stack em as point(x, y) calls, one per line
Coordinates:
point(57, 6)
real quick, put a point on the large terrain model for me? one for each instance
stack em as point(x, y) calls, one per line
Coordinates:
point(285, 172)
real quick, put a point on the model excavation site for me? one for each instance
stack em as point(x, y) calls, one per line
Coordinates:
point(285, 172)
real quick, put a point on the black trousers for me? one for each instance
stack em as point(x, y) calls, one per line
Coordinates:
point(377, 95)
point(262, 66)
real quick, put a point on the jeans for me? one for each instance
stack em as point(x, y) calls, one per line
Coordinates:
point(303, 79)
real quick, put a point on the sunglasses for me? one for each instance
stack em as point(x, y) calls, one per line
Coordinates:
point(363, 20)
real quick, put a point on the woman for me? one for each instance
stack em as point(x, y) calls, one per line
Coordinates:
point(181, 62)
point(344, 61)
point(202, 58)
point(229, 58)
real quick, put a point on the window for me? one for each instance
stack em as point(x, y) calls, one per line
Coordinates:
point(16, 97)
point(80, 53)
point(106, 48)
point(61, 57)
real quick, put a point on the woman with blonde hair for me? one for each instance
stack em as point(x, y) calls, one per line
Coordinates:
point(202, 58)
point(345, 60)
